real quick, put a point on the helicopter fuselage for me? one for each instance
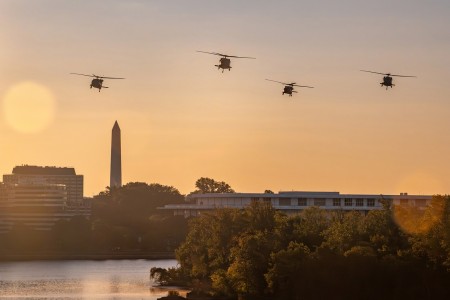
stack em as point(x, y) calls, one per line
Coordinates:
point(225, 63)
point(97, 83)
point(288, 89)
point(387, 82)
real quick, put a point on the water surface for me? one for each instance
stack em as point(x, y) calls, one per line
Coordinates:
point(81, 279)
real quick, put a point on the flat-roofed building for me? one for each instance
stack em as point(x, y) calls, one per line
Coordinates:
point(40, 196)
point(49, 175)
point(294, 202)
point(36, 206)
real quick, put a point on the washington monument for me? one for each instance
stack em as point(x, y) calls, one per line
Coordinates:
point(116, 158)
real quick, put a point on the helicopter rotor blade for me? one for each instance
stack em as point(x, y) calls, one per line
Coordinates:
point(241, 57)
point(83, 74)
point(213, 53)
point(374, 72)
point(278, 81)
point(110, 77)
point(402, 75)
point(225, 55)
point(304, 86)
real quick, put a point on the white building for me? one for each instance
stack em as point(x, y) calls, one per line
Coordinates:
point(293, 202)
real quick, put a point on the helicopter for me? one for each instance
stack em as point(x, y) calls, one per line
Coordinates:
point(225, 62)
point(387, 79)
point(289, 87)
point(97, 82)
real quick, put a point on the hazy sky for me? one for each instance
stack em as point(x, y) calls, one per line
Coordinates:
point(182, 119)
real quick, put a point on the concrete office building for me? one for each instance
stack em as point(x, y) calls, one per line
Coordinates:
point(38, 206)
point(40, 196)
point(49, 175)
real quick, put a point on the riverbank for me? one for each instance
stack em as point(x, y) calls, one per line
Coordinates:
point(86, 256)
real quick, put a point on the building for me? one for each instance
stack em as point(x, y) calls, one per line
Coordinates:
point(49, 175)
point(293, 202)
point(38, 206)
point(115, 179)
point(40, 196)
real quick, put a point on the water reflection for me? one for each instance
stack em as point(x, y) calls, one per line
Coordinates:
point(113, 279)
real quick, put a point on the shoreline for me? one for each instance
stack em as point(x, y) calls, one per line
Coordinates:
point(85, 256)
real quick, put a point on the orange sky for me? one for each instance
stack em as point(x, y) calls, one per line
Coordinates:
point(181, 119)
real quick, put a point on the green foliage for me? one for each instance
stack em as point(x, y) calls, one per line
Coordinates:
point(219, 246)
point(167, 277)
point(127, 218)
point(344, 232)
point(284, 264)
point(206, 185)
point(207, 246)
point(309, 226)
point(249, 261)
point(433, 246)
point(258, 253)
point(134, 202)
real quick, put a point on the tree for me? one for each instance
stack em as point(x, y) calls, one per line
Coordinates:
point(127, 217)
point(433, 244)
point(206, 185)
point(250, 261)
point(309, 226)
point(206, 249)
point(345, 232)
point(286, 270)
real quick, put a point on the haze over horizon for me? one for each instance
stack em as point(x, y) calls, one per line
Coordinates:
point(182, 119)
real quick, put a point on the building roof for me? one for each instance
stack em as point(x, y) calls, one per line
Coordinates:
point(301, 194)
point(38, 170)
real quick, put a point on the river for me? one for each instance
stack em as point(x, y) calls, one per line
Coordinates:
point(81, 279)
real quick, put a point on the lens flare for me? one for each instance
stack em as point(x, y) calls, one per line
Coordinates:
point(28, 107)
point(414, 220)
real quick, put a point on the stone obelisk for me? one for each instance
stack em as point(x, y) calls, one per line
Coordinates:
point(116, 158)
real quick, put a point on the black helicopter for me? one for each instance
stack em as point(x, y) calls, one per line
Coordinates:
point(97, 82)
point(387, 79)
point(225, 62)
point(289, 87)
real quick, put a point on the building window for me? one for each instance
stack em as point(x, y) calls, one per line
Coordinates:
point(404, 202)
point(359, 202)
point(421, 203)
point(255, 199)
point(371, 202)
point(319, 202)
point(348, 202)
point(302, 202)
point(267, 200)
point(285, 201)
point(337, 202)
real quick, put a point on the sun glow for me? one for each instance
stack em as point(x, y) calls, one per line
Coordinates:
point(28, 107)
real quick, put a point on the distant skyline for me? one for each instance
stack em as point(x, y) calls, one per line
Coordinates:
point(182, 119)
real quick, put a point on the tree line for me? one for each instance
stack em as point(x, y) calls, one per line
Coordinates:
point(122, 219)
point(259, 253)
